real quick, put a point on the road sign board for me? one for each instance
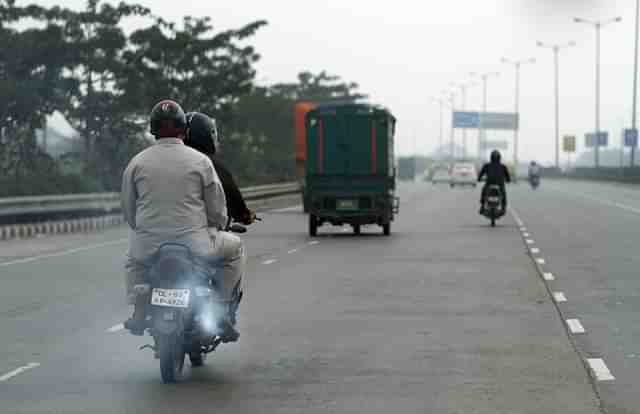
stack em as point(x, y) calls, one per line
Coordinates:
point(466, 119)
point(590, 139)
point(499, 120)
point(486, 120)
point(631, 137)
point(569, 143)
point(499, 145)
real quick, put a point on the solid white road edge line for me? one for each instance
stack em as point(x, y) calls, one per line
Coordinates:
point(270, 261)
point(575, 326)
point(116, 328)
point(63, 253)
point(19, 371)
point(548, 276)
point(559, 297)
point(600, 369)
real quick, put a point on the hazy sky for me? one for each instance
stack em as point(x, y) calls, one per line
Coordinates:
point(404, 53)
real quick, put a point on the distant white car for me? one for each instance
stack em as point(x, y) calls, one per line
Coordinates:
point(463, 174)
point(440, 176)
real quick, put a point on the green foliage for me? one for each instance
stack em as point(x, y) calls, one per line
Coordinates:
point(81, 63)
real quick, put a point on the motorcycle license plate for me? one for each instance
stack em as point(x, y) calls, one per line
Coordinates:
point(174, 298)
point(347, 205)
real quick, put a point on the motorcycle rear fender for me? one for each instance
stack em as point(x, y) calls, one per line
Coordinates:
point(166, 326)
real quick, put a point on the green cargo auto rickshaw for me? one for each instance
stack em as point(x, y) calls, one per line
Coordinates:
point(350, 172)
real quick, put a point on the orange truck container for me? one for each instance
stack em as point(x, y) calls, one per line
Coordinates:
point(300, 136)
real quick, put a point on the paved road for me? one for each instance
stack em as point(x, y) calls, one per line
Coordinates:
point(588, 233)
point(445, 316)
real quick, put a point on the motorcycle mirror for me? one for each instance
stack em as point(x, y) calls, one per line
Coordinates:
point(237, 228)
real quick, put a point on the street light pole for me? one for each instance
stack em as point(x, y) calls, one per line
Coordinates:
point(517, 64)
point(635, 82)
point(463, 91)
point(556, 65)
point(440, 102)
point(481, 137)
point(598, 26)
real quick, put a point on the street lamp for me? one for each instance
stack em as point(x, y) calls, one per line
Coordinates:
point(441, 102)
point(463, 89)
point(556, 49)
point(481, 138)
point(635, 82)
point(597, 25)
point(517, 64)
point(451, 97)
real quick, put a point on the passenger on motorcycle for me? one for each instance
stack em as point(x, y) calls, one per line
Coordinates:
point(202, 135)
point(497, 174)
point(170, 193)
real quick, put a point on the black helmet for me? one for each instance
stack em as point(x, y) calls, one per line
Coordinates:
point(167, 120)
point(202, 133)
point(495, 156)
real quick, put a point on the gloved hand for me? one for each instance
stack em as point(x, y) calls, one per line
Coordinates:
point(249, 217)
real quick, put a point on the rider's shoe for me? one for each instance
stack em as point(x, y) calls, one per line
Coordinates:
point(136, 324)
point(229, 333)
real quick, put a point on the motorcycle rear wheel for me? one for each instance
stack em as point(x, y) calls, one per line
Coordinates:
point(172, 355)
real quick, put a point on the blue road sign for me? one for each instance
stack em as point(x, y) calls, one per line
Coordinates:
point(631, 137)
point(466, 119)
point(603, 139)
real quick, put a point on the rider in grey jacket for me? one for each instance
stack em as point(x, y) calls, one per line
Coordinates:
point(170, 192)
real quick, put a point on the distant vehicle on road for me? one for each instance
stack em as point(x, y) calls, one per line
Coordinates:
point(463, 174)
point(350, 172)
point(441, 176)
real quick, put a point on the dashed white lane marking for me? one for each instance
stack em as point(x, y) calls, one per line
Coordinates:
point(63, 253)
point(559, 297)
point(313, 243)
point(18, 371)
point(270, 261)
point(116, 328)
point(548, 277)
point(292, 251)
point(535, 250)
point(600, 369)
point(523, 229)
point(575, 326)
point(529, 241)
point(540, 260)
point(525, 234)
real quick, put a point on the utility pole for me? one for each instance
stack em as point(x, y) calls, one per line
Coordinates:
point(635, 83)
point(598, 26)
point(556, 51)
point(481, 137)
point(517, 64)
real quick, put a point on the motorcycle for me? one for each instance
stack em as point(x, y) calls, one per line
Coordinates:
point(534, 181)
point(184, 313)
point(493, 208)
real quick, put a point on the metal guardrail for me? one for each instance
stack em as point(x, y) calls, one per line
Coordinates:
point(41, 208)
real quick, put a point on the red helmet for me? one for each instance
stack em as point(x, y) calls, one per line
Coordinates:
point(167, 120)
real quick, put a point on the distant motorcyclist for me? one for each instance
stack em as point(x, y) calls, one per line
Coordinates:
point(534, 170)
point(202, 135)
point(170, 192)
point(497, 174)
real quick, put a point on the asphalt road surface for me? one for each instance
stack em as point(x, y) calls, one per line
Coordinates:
point(445, 316)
